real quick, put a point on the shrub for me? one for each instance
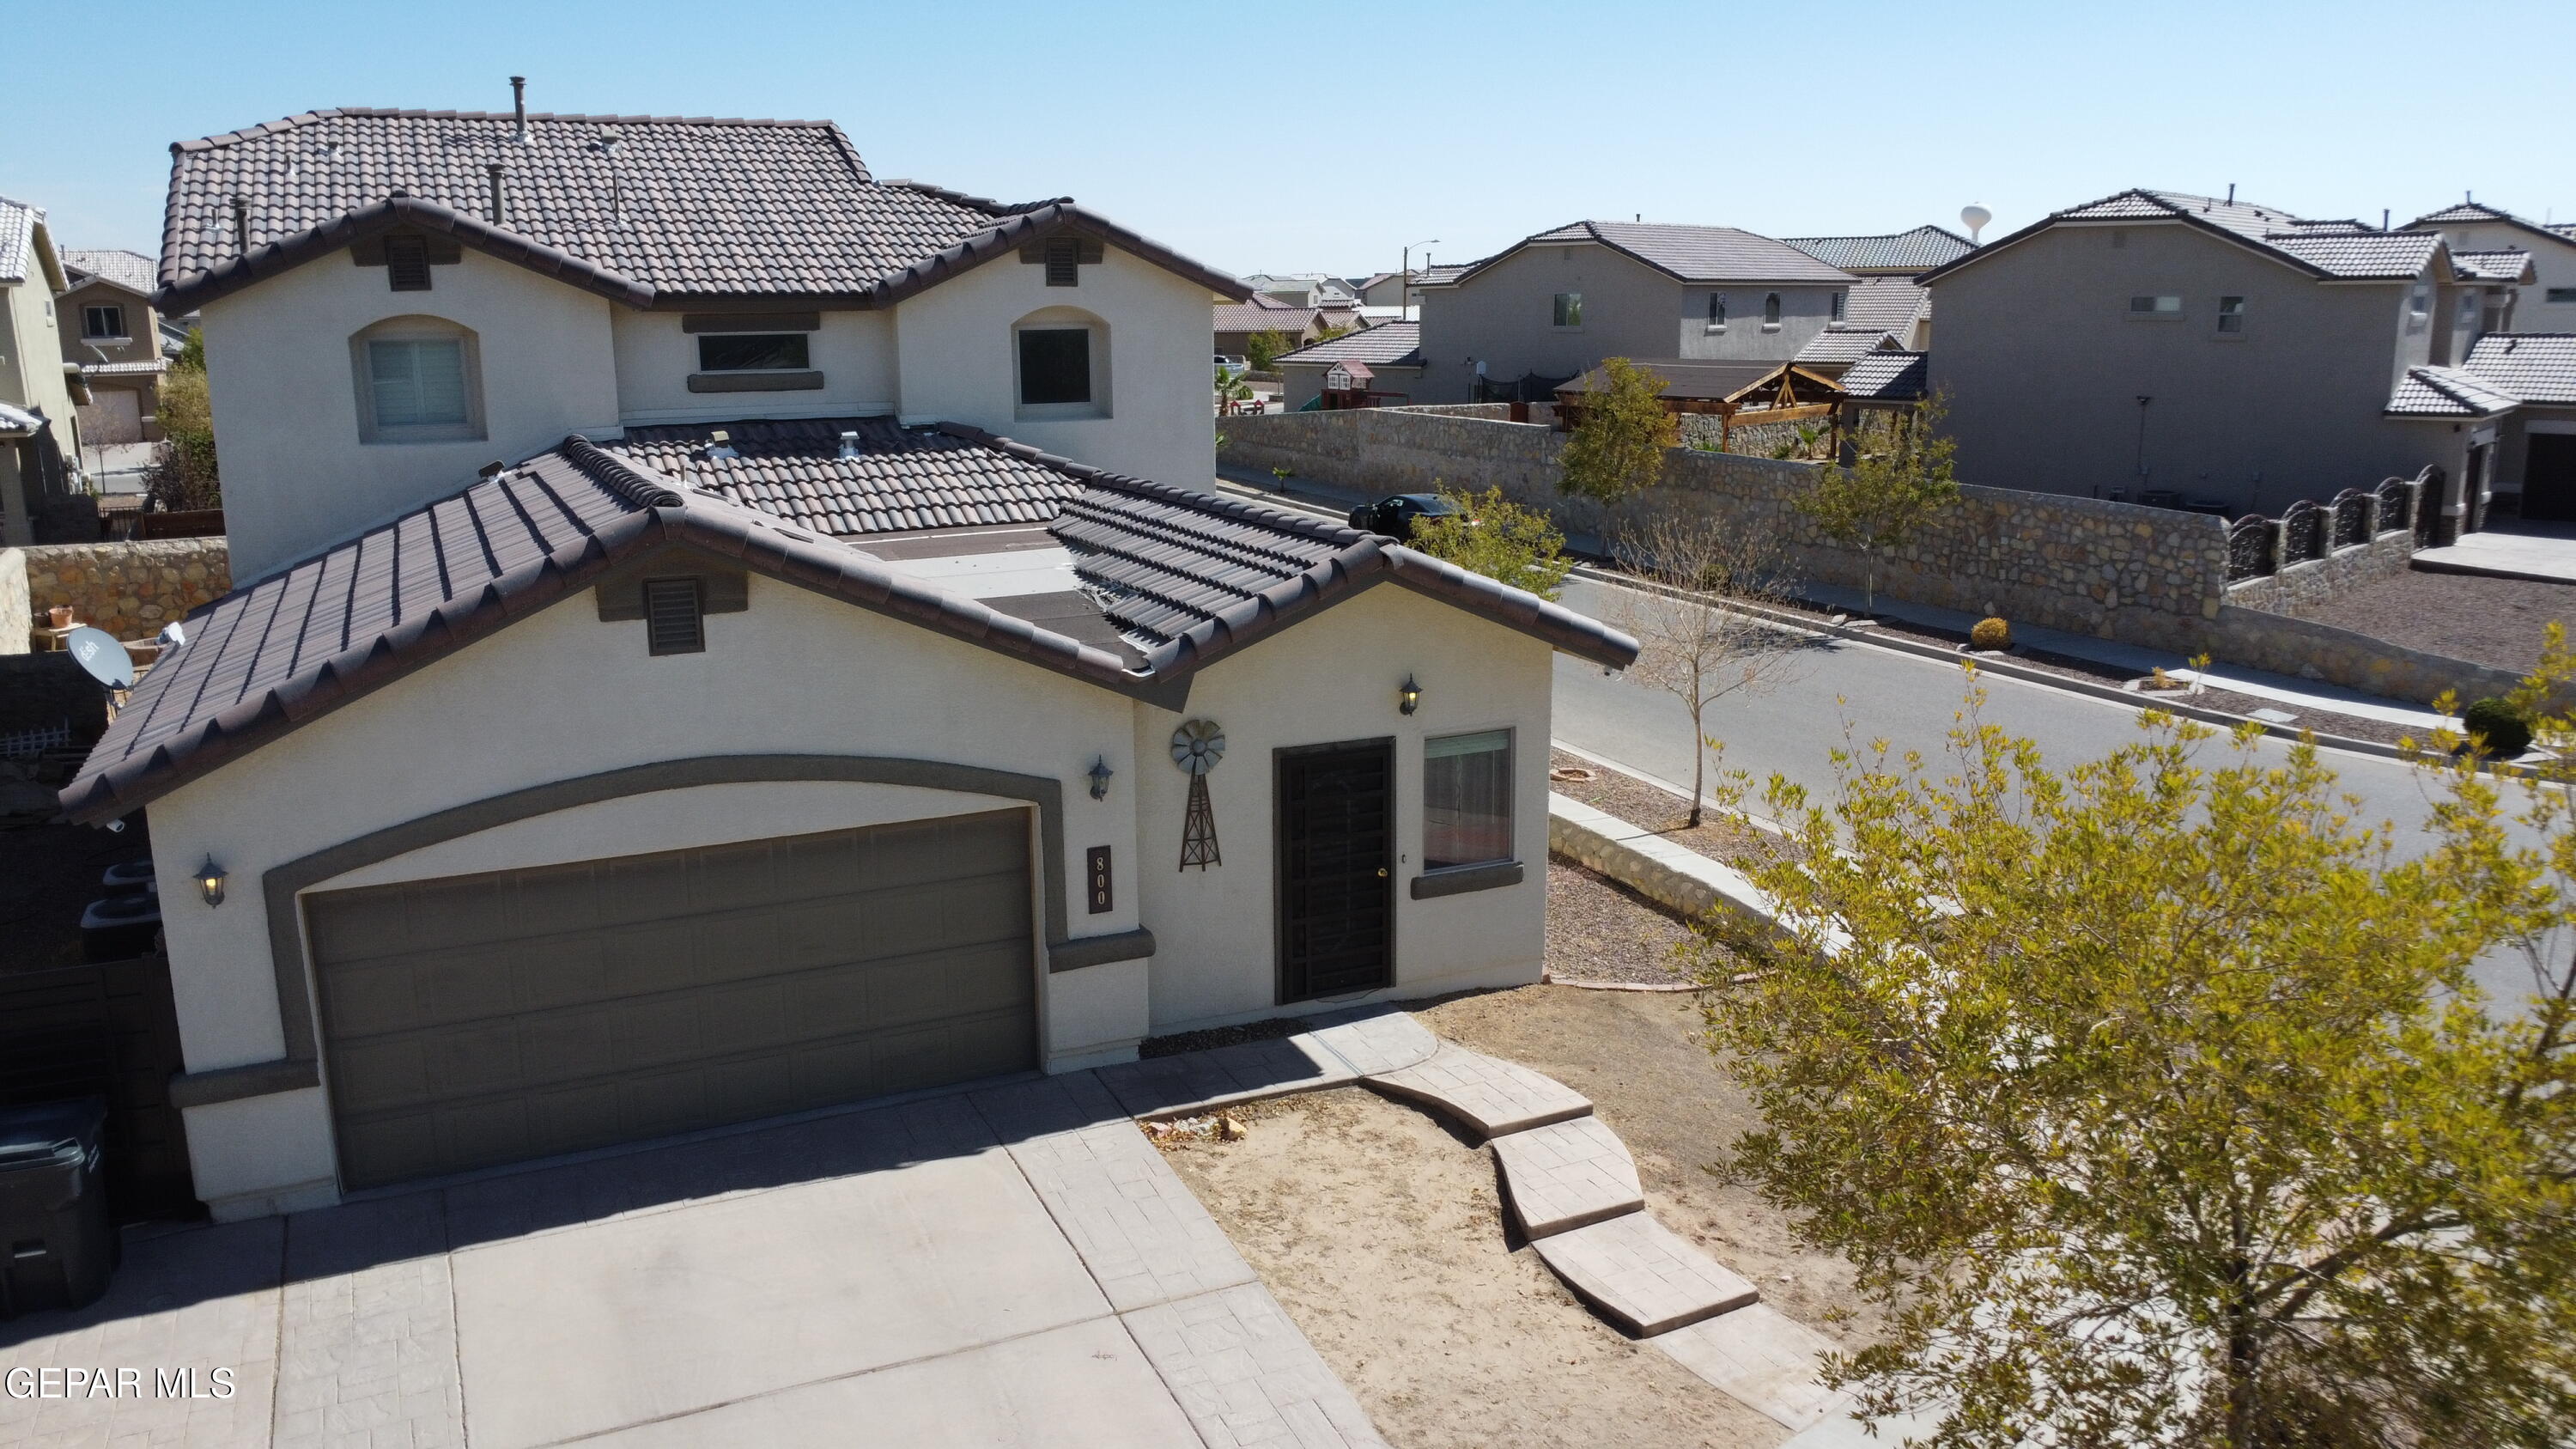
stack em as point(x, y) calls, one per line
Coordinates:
point(2496, 727)
point(1497, 538)
point(1618, 446)
point(1990, 634)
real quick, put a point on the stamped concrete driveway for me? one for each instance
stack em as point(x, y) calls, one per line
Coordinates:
point(1014, 1266)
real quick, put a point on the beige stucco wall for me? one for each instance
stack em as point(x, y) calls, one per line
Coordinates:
point(142, 333)
point(296, 476)
point(2553, 264)
point(958, 361)
point(853, 350)
point(1334, 678)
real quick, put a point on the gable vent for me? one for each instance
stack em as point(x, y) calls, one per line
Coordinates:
point(674, 616)
point(1063, 262)
point(407, 263)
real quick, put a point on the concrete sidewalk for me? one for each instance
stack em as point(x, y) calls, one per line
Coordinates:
point(2539, 557)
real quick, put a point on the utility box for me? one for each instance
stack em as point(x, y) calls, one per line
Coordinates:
point(59, 1245)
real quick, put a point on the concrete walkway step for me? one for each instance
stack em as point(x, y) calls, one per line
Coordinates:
point(1374, 1039)
point(1642, 1277)
point(1568, 1175)
point(1247, 1377)
point(1761, 1356)
point(1195, 1082)
point(1491, 1095)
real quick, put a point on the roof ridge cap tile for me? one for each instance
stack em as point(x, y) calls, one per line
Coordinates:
point(631, 482)
point(271, 258)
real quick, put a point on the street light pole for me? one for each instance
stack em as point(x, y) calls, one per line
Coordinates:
point(1404, 275)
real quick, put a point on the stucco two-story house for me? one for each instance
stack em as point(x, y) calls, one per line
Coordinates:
point(792, 736)
point(39, 433)
point(1887, 309)
point(113, 334)
point(1555, 303)
point(2474, 229)
point(2162, 347)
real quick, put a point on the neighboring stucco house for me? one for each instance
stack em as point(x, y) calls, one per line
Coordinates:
point(2523, 384)
point(113, 333)
point(2473, 229)
point(713, 768)
point(1556, 303)
point(1392, 350)
point(390, 299)
point(1237, 323)
point(2158, 346)
point(39, 434)
point(1886, 302)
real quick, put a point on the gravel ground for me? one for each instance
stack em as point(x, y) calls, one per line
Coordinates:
point(1718, 836)
point(2487, 621)
point(1600, 930)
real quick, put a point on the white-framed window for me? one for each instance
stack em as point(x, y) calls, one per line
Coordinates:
point(1466, 799)
point(419, 380)
point(1770, 311)
point(1717, 311)
point(104, 321)
point(2231, 314)
point(1060, 365)
point(1567, 310)
point(1840, 300)
point(2165, 307)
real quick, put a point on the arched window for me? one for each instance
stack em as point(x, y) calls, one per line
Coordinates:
point(1771, 309)
point(1717, 311)
point(1060, 364)
point(418, 380)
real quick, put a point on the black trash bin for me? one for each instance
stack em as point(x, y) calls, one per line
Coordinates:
point(53, 1207)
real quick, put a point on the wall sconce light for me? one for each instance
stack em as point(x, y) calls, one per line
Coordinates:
point(1409, 698)
point(210, 882)
point(1100, 773)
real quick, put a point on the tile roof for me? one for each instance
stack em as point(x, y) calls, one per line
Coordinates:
point(1443, 274)
point(661, 206)
point(2386, 256)
point(1889, 377)
point(2445, 392)
point(1396, 343)
point(1253, 317)
point(1693, 378)
point(18, 223)
point(1189, 576)
point(2340, 249)
point(2465, 211)
point(17, 422)
point(1885, 303)
point(1845, 344)
point(1918, 250)
point(2492, 266)
point(124, 369)
point(1690, 253)
point(898, 479)
point(130, 270)
point(2537, 367)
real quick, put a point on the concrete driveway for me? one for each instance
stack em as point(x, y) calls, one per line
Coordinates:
point(1014, 1266)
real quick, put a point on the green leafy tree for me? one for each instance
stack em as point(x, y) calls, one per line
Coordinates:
point(1498, 538)
point(2154, 1097)
point(1617, 448)
point(1331, 330)
point(184, 476)
point(1883, 499)
point(1262, 349)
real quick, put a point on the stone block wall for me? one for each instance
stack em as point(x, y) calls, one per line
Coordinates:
point(2302, 589)
point(14, 620)
point(129, 589)
point(2310, 650)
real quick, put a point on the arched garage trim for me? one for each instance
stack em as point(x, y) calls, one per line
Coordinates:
point(282, 883)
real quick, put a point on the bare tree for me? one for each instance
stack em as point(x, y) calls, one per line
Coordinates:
point(1695, 641)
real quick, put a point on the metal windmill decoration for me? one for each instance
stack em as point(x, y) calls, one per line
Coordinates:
point(1196, 747)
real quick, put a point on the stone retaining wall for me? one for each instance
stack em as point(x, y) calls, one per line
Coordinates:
point(128, 589)
point(2304, 588)
point(14, 620)
point(2309, 650)
point(2113, 570)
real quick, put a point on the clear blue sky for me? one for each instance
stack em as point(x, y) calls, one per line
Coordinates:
point(1315, 138)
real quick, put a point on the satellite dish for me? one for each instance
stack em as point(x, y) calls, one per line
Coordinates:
point(1974, 218)
point(1197, 745)
point(100, 654)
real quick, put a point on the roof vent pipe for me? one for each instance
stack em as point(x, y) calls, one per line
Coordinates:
point(2231, 193)
point(849, 445)
point(2383, 218)
point(519, 107)
point(241, 225)
point(492, 170)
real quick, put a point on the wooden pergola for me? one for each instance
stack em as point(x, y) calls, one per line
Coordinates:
point(1786, 394)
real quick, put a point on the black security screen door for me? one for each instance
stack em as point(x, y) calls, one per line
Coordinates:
point(2549, 478)
point(1336, 869)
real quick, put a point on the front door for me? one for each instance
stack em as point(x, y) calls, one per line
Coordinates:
point(1336, 869)
point(2549, 478)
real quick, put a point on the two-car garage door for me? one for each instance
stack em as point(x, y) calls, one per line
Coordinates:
point(476, 1020)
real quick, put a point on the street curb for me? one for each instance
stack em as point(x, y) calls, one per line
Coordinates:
point(1683, 879)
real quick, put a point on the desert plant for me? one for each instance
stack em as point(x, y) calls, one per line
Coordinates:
point(184, 476)
point(1262, 349)
point(1877, 504)
point(1498, 538)
point(1990, 633)
point(2156, 1100)
point(1617, 448)
point(2496, 727)
point(1696, 641)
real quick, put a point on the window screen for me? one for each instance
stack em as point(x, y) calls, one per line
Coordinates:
point(1467, 799)
point(102, 321)
point(1055, 365)
point(1569, 309)
point(752, 352)
point(417, 383)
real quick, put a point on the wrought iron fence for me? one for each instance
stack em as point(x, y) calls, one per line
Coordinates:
point(2303, 532)
point(2351, 518)
point(2249, 547)
point(2393, 498)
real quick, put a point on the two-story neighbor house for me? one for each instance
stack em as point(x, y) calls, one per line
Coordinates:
point(793, 737)
point(115, 338)
point(2165, 347)
point(1554, 304)
point(1887, 308)
point(39, 431)
point(2474, 229)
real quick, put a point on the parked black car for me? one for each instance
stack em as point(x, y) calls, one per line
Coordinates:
point(1395, 516)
